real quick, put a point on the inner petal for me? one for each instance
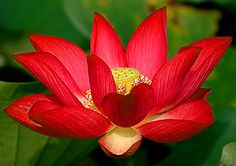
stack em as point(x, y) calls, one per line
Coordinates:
point(120, 142)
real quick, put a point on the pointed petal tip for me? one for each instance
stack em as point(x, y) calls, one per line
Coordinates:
point(34, 37)
point(154, 54)
point(225, 39)
point(162, 9)
point(105, 43)
point(97, 15)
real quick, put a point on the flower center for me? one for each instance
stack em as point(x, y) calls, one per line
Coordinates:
point(127, 78)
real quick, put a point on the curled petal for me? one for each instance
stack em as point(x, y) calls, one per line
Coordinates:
point(201, 94)
point(120, 142)
point(106, 44)
point(72, 122)
point(19, 110)
point(55, 79)
point(70, 55)
point(168, 80)
point(147, 48)
point(128, 110)
point(212, 51)
point(178, 124)
point(100, 78)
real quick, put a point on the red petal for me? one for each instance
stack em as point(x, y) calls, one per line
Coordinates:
point(120, 142)
point(169, 78)
point(71, 56)
point(59, 82)
point(147, 49)
point(59, 69)
point(179, 123)
point(100, 78)
point(106, 44)
point(19, 110)
point(212, 51)
point(72, 122)
point(126, 111)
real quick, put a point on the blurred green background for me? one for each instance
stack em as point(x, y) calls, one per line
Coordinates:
point(188, 20)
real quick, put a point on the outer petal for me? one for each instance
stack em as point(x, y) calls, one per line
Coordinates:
point(212, 51)
point(169, 78)
point(147, 49)
point(120, 142)
point(179, 123)
point(19, 110)
point(126, 111)
point(106, 44)
point(73, 122)
point(100, 78)
point(59, 81)
point(70, 55)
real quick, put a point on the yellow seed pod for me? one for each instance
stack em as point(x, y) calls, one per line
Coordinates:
point(124, 78)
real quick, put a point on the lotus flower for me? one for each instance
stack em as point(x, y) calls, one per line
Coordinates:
point(116, 94)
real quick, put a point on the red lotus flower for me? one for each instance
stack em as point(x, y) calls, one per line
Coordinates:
point(120, 94)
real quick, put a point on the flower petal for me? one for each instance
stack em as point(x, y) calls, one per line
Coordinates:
point(212, 51)
point(128, 110)
point(147, 48)
point(180, 123)
point(19, 110)
point(120, 142)
point(106, 44)
point(100, 78)
point(72, 122)
point(168, 80)
point(45, 74)
point(71, 56)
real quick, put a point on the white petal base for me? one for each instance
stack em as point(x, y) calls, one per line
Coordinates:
point(120, 142)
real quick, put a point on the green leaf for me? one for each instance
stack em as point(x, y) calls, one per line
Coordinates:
point(204, 149)
point(20, 146)
point(187, 24)
point(46, 17)
point(228, 155)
